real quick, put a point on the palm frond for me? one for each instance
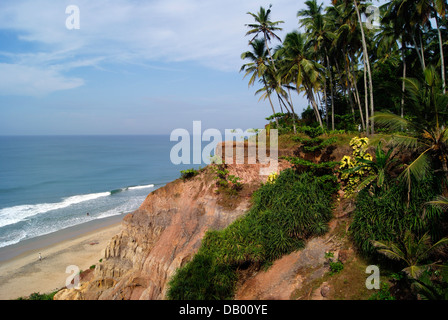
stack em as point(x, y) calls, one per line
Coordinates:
point(439, 202)
point(414, 271)
point(389, 250)
point(367, 181)
point(419, 168)
point(391, 121)
point(403, 141)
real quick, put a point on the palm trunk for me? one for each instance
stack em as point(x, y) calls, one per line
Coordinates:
point(280, 103)
point(442, 58)
point(422, 50)
point(420, 58)
point(349, 91)
point(332, 96)
point(358, 101)
point(293, 112)
point(326, 104)
point(315, 107)
point(366, 96)
point(403, 87)
point(367, 61)
point(270, 101)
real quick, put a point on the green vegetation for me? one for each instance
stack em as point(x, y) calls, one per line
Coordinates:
point(385, 214)
point(188, 174)
point(39, 296)
point(314, 144)
point(285, 212)
point(349, 69)
point(336, 267)
point(226, 182)
point(383, 293)
point(379, 90)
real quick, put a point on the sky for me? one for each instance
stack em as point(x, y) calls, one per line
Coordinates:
point(132, 67)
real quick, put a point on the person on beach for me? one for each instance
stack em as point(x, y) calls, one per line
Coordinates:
point(40, 257)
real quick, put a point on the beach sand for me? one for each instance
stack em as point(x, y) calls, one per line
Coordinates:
point(22, 273)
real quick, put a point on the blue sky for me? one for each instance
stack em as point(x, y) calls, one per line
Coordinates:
point(133, 67)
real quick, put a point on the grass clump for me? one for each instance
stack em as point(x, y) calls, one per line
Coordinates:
point(226, 183)
point(40, 296)
point(393, 215)
point(284, 214)
point(188, 174)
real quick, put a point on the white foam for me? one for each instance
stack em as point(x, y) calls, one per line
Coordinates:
point(16, 214)
point(16, 239)
point(141, 187)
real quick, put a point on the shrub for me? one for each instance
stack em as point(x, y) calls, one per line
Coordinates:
point(312, 132)
point(393, 214)
point(188, 174)
point(353, 178)
point(39, 296)
point(383, 293)
point(336, 267)
point(229, 184)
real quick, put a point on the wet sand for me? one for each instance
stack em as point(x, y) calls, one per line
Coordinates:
point(22, 273)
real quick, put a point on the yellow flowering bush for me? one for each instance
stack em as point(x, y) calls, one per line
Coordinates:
point(352, 179)
point(272, 177)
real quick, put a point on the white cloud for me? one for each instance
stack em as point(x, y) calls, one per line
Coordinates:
point(211, 33)
point(33, 81)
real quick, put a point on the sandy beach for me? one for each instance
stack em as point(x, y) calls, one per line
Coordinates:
point(22, 273)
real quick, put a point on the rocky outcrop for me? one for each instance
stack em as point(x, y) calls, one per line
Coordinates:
point(164, 234)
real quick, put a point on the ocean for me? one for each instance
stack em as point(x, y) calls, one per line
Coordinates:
point(50, 183)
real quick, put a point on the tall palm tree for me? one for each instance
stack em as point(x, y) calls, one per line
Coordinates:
point(348, 41)
point(297, 67)
point(338, 20)
point(366, 59)
point(267, 28)
point(437, 9)
point(393, 31)
point(263, 25)
point(258, 67)
point(321, 37)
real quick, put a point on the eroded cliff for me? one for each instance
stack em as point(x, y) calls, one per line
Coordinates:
point(164, 233)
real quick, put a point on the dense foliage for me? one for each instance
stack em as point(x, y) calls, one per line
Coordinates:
point(348, 67)
point(386, 214)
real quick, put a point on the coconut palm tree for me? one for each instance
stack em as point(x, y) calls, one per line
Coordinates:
point(366, 58)
point(297, 67)
point(258, 67)
point(393, 30)
point(263, 25)
point(267, 28)
point(321, 37)
point(434, 8)
point(344, 49)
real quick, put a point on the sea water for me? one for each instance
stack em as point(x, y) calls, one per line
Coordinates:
point(49, 183)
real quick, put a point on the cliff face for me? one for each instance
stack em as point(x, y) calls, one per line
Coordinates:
point(164, 234)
